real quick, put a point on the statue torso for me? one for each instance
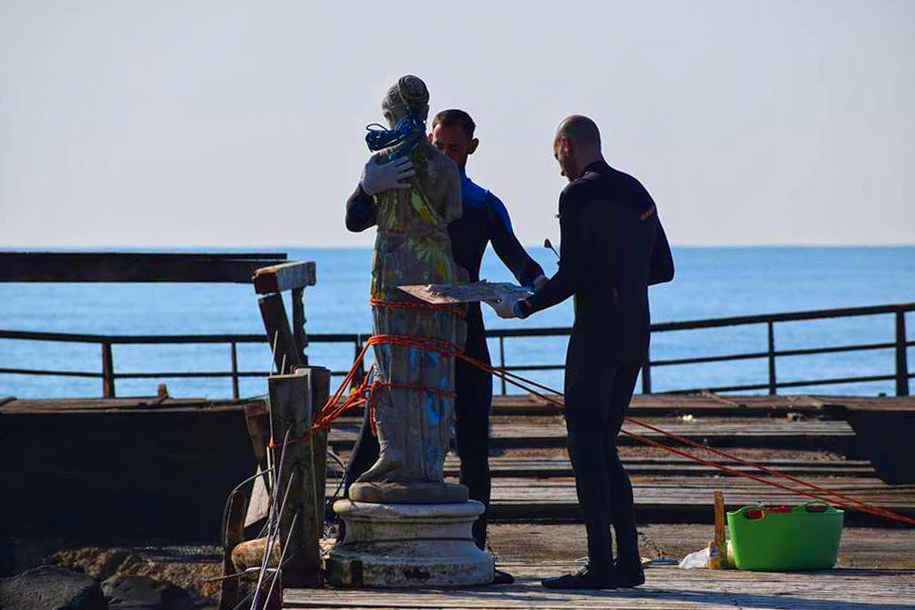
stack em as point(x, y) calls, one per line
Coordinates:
point(412, 246)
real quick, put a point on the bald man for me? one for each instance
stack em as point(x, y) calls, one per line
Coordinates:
point(613, 248)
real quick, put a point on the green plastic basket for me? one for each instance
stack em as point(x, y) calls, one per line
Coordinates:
point(807, 538)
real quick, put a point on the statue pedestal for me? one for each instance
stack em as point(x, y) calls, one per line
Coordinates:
point(408, 545)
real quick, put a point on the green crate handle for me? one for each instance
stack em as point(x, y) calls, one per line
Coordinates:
point(745, 509)
point(830, 510)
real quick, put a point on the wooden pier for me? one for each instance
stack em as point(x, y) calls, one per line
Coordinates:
point(193, 451)
point(667, 588)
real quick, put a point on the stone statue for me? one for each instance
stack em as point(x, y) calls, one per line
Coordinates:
point(412, 246)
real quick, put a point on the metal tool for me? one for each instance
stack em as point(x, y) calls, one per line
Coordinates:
point(547, 244)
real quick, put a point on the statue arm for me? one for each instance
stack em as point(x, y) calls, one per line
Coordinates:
point(360, 211)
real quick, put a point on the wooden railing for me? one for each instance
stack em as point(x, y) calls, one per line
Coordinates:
point(899, 344)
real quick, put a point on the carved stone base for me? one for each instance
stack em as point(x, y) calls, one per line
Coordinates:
point(408, 545)
point(420, 492)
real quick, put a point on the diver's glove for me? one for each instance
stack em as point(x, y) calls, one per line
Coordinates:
point(504, 307)
point(540, 281)
point(378, 177)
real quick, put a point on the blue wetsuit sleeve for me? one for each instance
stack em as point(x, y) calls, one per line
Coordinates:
point(360, 211)
point(507, 246)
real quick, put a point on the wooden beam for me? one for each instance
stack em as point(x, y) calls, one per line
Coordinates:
point(298, 323)
point(288, 276)
point(902, 367)
point(320, 394)
point(290, 418)
point(286, 356)
point(131, 267)
point(107, 371)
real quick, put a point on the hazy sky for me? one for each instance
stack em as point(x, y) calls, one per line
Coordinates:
point(233, 124)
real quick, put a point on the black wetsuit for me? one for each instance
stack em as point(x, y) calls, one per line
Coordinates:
point(613, 247)
point(484, 220)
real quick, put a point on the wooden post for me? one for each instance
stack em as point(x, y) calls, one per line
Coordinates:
point(286, 356)
point(646, 377)
point(771, 353)
point(298, 323)
point(234, 352)
point(291, 410)
point(502, 362)
point(320, 394)
point(107, 371)
point(902, 364)
point(359, 376)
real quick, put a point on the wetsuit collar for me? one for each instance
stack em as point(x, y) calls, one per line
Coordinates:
point(599, 167)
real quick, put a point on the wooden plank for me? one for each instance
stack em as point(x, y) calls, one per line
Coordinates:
point(131, 266)
point(671, 499)
point(287, 276)
point(667, 588)
point(541, 467)
point(100, 406)
point(455, 294)
point(300, 530)
point(285, 354)
point(298, 323)
point(834, 435)
point(320, 394)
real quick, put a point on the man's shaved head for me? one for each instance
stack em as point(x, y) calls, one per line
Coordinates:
point(581, 130)
point(576, 145)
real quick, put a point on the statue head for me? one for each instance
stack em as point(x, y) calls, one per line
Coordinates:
point(408, 97)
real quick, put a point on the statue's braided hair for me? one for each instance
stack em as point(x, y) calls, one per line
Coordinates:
point(410, 93)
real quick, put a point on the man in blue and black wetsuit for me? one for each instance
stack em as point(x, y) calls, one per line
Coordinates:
point(485, 220)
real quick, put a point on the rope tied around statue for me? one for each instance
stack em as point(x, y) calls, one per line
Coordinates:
point(364, 394)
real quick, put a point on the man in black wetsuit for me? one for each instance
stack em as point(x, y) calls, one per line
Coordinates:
point(485, 220)
point(613, 247)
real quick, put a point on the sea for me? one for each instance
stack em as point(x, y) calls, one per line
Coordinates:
point(709, 283)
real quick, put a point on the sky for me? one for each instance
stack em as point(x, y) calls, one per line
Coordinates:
point(232, 124)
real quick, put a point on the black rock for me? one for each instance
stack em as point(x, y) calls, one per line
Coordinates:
point(51, 588)
point(135, 592)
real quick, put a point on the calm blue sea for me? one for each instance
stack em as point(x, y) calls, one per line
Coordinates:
point(710, 282)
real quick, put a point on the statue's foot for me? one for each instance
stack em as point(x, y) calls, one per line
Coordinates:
point(388, 467)
point(407, 492)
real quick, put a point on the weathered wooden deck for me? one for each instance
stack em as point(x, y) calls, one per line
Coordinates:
point(533, 479)
point(533, 486)
point(197, 450)
point(667, 588)
point(549, 432)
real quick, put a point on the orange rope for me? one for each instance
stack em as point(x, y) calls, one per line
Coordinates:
point(457, 310)
point(845, 501)
point(332, 410)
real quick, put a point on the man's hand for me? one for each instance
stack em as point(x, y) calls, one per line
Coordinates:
point(379, 177)
point(506, 306)
point(540, 282)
